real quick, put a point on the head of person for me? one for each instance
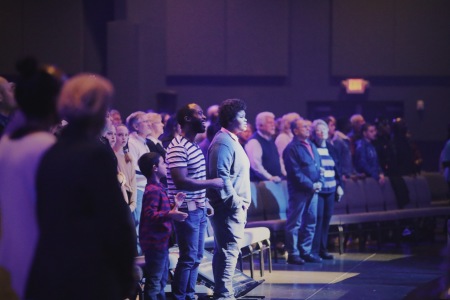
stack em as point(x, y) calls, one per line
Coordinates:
point(356, 121)
point(7, 102)
point(156, 124)
point(245, 135)
point(331, 122)
point(84, 100)
point(115, 117)
point(109, 133)
point(399, 128)
point(383, 126)
point(152, 164)
point(164, 117)
point(212, 113)
point(172, 128)
point(191, 118)
point(369, 131)
point(301, 128)
point(122, 135)
point(319, 131)
point(138, 122)
point(37, 90)
point(285, 123)
point(265, 123)
point(232, 115)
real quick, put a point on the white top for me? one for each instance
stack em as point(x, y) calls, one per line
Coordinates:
point(19, 160)
point(282, 140)
point(127, 170)
point(138, 147)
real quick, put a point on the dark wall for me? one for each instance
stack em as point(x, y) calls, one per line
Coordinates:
point(278, 55)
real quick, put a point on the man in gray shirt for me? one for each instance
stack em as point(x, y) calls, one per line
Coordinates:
point(226, 159)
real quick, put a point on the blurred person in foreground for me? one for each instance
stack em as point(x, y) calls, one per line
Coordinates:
point(87, 242)
point(21, 151)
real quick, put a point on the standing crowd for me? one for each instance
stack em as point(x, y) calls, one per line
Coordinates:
point(82, 194)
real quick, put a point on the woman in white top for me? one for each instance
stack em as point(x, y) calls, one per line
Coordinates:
point(127, 174)
point(21, 150)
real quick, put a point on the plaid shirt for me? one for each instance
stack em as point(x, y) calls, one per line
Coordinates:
point(155, 227)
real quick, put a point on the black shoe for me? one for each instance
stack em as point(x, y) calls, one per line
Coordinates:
point(311, 258)
point(326, 255)
point(295, 260)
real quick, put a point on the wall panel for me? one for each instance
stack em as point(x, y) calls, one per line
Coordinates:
point(257, 37)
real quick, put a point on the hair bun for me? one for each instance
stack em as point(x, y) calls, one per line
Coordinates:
point(27, 67)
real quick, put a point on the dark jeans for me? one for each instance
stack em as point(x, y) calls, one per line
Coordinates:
point(191, 241)
point(156, 274)
point(301, 222)
point(228, 227)
point(325, 208)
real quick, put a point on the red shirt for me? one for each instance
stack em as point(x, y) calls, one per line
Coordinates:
point(156, 226)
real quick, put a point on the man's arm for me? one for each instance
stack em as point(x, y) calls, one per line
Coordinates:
point(183, 182)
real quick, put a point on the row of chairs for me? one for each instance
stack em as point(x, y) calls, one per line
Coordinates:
point(365, 201)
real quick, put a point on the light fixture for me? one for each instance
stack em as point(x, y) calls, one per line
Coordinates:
point(355, 85)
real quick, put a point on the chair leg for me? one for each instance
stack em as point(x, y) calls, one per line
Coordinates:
point(261, 259)
point(341, 239)
point(240, 262)
point(252, 266)
point(269, 249)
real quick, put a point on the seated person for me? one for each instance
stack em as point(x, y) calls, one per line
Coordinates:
point(366, 158)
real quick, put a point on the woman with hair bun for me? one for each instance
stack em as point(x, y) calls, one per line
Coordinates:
point(87, 243)
point(21, 150)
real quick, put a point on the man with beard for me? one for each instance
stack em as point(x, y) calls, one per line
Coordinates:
point(186, 172)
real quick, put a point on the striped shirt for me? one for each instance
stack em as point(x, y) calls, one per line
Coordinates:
point(328, 164)
point(181, 153)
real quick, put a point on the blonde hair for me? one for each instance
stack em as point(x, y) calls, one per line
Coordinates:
point(154, 117)
point(85, 96)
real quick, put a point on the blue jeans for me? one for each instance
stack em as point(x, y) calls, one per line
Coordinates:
point(156, 274)
point(325, 207)
point(191, 241)
point(228, 225)
point(301, 222)
point(137, 217)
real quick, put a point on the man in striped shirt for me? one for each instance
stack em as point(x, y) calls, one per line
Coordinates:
point(186, 173)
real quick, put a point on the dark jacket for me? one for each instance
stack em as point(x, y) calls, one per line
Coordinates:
point(366, 159)
point(87, 240)
point(156, 148)
point(302, 170)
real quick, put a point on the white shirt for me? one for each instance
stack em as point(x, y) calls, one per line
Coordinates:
point(138, 147)
point(19, 161)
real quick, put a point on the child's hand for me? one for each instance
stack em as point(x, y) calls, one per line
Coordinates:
point(177, 215)
point(209, 209)
point(179, 199)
